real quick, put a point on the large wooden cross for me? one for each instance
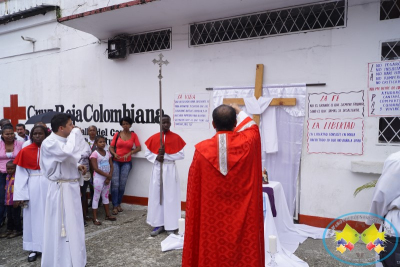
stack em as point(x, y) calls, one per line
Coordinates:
point(258, 93)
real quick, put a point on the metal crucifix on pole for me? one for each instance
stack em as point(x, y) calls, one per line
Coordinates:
point(160, 62)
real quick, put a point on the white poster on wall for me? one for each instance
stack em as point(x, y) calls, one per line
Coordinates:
point(192, 110)
point(335, 136)
point(384, 89)
point(336, 122)
point(336, 105)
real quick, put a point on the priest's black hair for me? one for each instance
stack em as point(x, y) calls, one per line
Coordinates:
point(166, 116)
point(45, 130)
point(224, 118)
point(59, 120)
point(127, 119)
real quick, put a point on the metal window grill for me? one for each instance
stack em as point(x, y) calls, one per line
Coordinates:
point(269, 23)
point(390, 9)
point(390, 50)
point(150, 41)
point(389, 127)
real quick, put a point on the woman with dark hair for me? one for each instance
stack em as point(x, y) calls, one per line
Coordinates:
point(31, 187)
point(9, 148)
point(123, 145)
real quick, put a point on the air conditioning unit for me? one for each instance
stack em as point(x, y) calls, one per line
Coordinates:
point(117, 48)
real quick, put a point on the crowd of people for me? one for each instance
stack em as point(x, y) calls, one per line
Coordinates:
point(48, 175)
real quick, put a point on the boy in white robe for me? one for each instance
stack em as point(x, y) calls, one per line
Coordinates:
point(165, 215)
point(64, 238)
point(31, 186)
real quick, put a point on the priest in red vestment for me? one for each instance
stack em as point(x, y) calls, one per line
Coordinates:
point(224, 208)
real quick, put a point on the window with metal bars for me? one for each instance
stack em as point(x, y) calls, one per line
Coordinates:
point(150, 41)
point(269, 23)
point(390, 9)
point(389, 127)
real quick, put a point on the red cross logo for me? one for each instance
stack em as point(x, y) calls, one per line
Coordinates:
point(14, 113)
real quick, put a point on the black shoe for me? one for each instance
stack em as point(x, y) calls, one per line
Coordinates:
point(32, 256)
point(85, 224)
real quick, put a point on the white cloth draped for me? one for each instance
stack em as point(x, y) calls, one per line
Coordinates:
point(31, 185)
point(268, 130)
point(59, 162)
point(289, 235)
point(169, 212)
point(282, 166)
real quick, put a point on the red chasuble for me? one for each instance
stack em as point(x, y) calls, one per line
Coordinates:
point(224, 208)
point(28, 157)
point(173, 143)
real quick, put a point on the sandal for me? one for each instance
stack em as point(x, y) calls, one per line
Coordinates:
point(87, 218)
point(96, 222)
point(115, 211)
point(119, 209)
point(110, 218)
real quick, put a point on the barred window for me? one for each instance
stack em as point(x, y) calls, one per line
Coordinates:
point(390, 9)
point(150, 41)
point(390, 50)
point(269, 23)
point(389, 127)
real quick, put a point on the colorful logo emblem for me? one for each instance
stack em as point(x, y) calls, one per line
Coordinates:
point(344, 245)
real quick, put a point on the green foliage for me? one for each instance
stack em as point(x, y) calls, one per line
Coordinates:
point(366, 186)
point(58, 12)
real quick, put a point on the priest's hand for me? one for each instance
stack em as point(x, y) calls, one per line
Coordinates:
point(236, 107)
point(82, 169)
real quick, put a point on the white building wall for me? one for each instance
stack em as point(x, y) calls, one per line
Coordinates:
point(79, 73)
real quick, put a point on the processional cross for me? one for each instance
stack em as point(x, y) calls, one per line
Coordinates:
point(160, 62)
point(258, 94)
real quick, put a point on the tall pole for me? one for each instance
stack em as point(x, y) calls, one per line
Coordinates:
point(160, 62)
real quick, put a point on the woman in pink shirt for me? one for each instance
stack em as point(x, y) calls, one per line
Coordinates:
point(124, 144)
point(9, 148)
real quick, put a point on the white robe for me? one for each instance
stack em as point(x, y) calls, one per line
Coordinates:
point(58, 162)
point(386, 197)
point(169, 212)
point(31, 185)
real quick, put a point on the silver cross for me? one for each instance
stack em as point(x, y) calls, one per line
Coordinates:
point(160, 62)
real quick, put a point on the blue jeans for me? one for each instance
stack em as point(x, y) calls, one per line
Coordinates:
point(118, 181)
point(3, 209)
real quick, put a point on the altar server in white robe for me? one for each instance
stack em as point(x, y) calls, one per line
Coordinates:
point(165, 215)
point(30, 186)
point(386, 197)
point(64, 238)
point(386, 203)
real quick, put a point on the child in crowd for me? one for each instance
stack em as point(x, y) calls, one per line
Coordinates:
point(103, 168)
point(14, 225)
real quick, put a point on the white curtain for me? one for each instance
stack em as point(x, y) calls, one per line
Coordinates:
point(282, 166)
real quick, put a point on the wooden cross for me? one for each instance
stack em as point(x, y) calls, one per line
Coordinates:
point(258, 93)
